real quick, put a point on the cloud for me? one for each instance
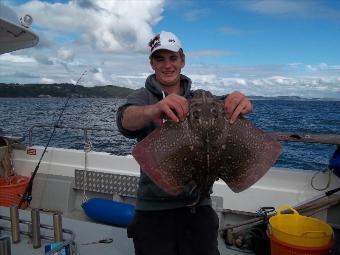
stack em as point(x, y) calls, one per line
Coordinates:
point(82, 34)
point(44, 42)
point(278, 6)
point(109, 38)
point(322, 68)
point(95, 70)
point(43, 59)
point(12, 58)
point(301, 8)
point(134, 80)
point(46, 81)
point(271, 86)
point(86, 4)
point(209, 53)
point(8, 77)
point(7, 12)
point(99, 77)
point(196, 14)
point(264, 81)
point(112, 26)
point(65, 54)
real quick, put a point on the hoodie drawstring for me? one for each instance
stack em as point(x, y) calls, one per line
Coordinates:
point(163, 94)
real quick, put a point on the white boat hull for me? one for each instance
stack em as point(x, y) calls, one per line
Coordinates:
point(54, 189)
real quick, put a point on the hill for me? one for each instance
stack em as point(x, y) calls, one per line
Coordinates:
point(62, 90)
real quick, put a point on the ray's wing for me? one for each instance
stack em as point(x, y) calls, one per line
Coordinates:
point(247, 154)
point(166, 156)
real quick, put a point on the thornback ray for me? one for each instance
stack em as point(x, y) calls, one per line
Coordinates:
point(205, 147)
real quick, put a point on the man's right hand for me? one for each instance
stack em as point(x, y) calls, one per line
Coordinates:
point(174, 107)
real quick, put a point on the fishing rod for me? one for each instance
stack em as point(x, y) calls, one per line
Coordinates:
point(266, 212)
point(27, 195)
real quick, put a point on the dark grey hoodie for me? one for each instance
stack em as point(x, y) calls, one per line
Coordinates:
point(149, 195)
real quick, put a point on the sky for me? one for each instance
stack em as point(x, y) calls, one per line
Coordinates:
point(258, 47)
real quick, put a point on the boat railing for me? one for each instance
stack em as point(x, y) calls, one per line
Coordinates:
point(84, 129)
point(307, 137)
point(279, 136)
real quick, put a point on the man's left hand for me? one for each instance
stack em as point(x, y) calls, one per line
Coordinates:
point(236, 104)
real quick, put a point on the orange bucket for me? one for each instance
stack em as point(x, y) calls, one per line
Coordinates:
point(278, 247)
point(10, 194)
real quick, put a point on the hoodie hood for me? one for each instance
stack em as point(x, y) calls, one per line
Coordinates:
point(156, 88)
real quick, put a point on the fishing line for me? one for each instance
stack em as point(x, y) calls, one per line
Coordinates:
point(27, 195)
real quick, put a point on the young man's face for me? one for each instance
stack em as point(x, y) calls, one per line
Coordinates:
point(167, 66)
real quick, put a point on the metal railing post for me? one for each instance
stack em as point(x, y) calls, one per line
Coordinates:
point(15, 227)
point(35, 217)
point(57, 227)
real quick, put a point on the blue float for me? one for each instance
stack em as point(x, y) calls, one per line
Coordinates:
point(109, 211)
point(334, 162)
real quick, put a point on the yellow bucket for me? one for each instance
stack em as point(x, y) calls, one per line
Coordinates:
point(299, 230)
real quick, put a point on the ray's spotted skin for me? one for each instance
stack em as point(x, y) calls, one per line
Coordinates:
point(205, 147)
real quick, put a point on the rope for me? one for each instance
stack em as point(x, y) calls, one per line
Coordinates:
point(330, 171)
point(6, 162)
point(163, 95)
point(87, 148)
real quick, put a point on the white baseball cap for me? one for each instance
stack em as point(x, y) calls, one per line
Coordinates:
point(165, 41)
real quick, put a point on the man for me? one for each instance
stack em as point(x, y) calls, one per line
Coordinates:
point(166, 224)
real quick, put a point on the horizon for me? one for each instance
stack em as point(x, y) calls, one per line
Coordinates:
point(252, 97)
point(259, 47)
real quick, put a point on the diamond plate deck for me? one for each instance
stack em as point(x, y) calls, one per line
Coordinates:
point(107, 183)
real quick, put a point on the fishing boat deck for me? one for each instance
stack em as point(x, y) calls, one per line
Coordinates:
point(85, 232)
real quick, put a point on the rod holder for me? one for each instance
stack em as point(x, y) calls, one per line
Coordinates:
point(35, 228)
point(15, 227)
point(57, 227)
point(5, 245)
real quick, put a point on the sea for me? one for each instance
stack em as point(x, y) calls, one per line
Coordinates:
point(20, 116)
